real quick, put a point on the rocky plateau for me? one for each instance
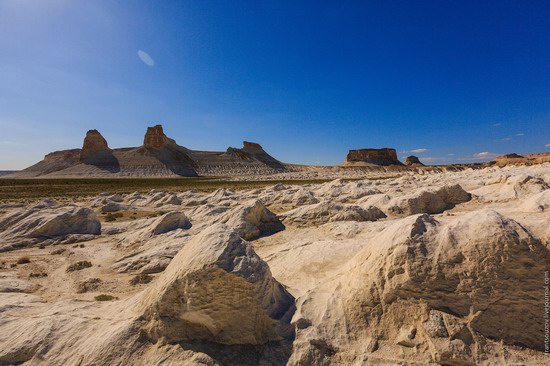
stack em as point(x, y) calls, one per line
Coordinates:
point(432, 268)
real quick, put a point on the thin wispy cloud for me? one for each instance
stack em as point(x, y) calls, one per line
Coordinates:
point(415, 151)
point(506, 139)
point(147, 60)
point(497, 124)
point(520, 134)
point(435, 159)
point(547, 145)
point(484, 155)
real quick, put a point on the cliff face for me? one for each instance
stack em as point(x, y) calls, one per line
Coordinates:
point(384, 156)
point(155, 138)
point(413, 161)
point(94, 143)
point(158, 156)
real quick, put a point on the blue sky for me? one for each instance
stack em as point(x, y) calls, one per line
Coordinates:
point(454, 81)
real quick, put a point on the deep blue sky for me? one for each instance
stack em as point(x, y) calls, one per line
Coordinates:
point(307, 80)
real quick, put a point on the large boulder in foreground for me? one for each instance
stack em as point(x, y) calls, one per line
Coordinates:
point(464, 291)
point(218, 290)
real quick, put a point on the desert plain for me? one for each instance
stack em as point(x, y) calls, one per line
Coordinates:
point(362, 264)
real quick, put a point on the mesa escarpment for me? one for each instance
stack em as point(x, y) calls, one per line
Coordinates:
point(161, 156)
point(158, 156)
point(384, 157)
point(155, 138)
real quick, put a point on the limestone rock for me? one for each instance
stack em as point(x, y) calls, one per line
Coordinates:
point(45, 222)
point(170, 221)
point(384, 156)
point(537, 203)
point(111, 206)
point(251, 146)
point(218, 290)
point(511, 187)
point(94, 143)
point(155, 138)
point(252, 220)
point(412, 161)
point(329, 211)
point(431, 200)
point(471, 268)
point(435, 325)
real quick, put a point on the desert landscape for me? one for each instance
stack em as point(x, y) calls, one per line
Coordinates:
point(274, 183)
point(257, 262)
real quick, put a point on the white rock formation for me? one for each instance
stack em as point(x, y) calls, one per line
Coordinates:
point(41, 222)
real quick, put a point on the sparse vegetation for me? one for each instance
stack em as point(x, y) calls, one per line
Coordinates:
point(79, 266)
point(141, 279)
point(23, 260)
point(58, 251)
point(33, 189)
point(38, 275)
point(105, 297)
point(112, 216)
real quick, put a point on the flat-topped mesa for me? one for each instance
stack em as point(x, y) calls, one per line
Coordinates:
point(251, 146)
point(384, 156)
point(413, 161)
point(155, 138)
point(509, 156)
point(94, 143)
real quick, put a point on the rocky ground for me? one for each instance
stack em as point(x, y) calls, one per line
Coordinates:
point(415, 269)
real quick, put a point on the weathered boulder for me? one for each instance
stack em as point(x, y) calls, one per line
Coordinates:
point(44, 222)
point(170, 221)
point(428, 200)
point(252, 220)
point(511, 187)
point(217, 289)
point(443, 287)
point(537, 203)
point(329, 211)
